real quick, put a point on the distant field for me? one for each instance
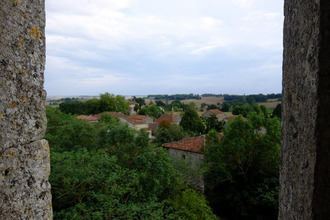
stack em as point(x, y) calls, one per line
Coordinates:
point(206, 100)
point(271, 103)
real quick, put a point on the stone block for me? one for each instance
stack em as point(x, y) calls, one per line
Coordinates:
point(24, 187)
point(22, 63)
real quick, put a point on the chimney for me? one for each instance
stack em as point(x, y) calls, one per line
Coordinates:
point(173, 119)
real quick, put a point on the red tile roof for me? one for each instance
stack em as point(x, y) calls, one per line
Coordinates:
point(134, 119)
point(191, 144)
point(169, 117)
point(235, 116)
point(164, 117)
point(116, 114)
point(87, 117)
point(216, 111)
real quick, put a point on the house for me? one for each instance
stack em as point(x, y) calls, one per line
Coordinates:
point(89, 118)
point(136, 122)
point(189, 151)
point(220, 115)
point(172, 118)
point(131, 107)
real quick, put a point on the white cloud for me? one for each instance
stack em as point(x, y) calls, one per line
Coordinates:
point(116, 40)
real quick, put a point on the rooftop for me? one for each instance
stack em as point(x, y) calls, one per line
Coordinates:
point(191, 144)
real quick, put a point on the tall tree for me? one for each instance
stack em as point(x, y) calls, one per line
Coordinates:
point(242, 171)
point(192, 122)
point(212, 122)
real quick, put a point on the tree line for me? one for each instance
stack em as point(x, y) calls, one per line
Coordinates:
point(106, 102)
point(175, 97)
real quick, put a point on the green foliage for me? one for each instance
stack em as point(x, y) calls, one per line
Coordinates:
point(109, 171)
point(65, 132)
point(257, 120)
point(243, 110)
point(164, 124)
point(263, 109)
point(107, 102)
point(140, 101)
point(175, 97)
point(172, 133)
point(211, 95)
point(191, 205)
point(137, 107)
point(177, 105)
point(159, 103)
point(192, 105)
point(192, 122)
point(242, 171)
point(107, 118)
point(212, 122)
point(277, 111)
point(152, 111)
point(212, 106)
point(225, 107)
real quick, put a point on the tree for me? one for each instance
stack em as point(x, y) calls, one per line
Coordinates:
point(137, 107)
point(191, 205)
point(164, 124)
point(176, 105)
point(243, 110)
point(66, 133)
point(277, 111)
point(159, 103)
point(166, 134)
point(242, 171)
point(192, 122)
point(263, 109)
point(212, 106)
point(152, 111)
point(192, 105)
point(225, 107)
point(107, 118)
point(140, 101)
point(212, 122)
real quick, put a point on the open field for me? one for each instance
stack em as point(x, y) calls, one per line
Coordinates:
point(271, 103)
point(206, 100)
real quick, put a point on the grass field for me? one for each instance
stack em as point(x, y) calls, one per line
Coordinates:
point(206, 100)
point(271, 103)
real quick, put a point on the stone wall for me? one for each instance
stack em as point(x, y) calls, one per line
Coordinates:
point(305, 151)
point(24, 157)
point(193, 161)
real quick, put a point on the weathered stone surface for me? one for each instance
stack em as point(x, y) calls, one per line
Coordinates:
point(24, 186)
point(24, 158)
point(22, 63)
point(305, 152)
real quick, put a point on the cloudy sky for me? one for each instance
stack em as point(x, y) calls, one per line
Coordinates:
point(139, 47)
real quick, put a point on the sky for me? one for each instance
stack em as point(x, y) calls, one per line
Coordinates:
point(141, 47)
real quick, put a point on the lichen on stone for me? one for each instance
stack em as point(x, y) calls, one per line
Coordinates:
point(35, 33)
